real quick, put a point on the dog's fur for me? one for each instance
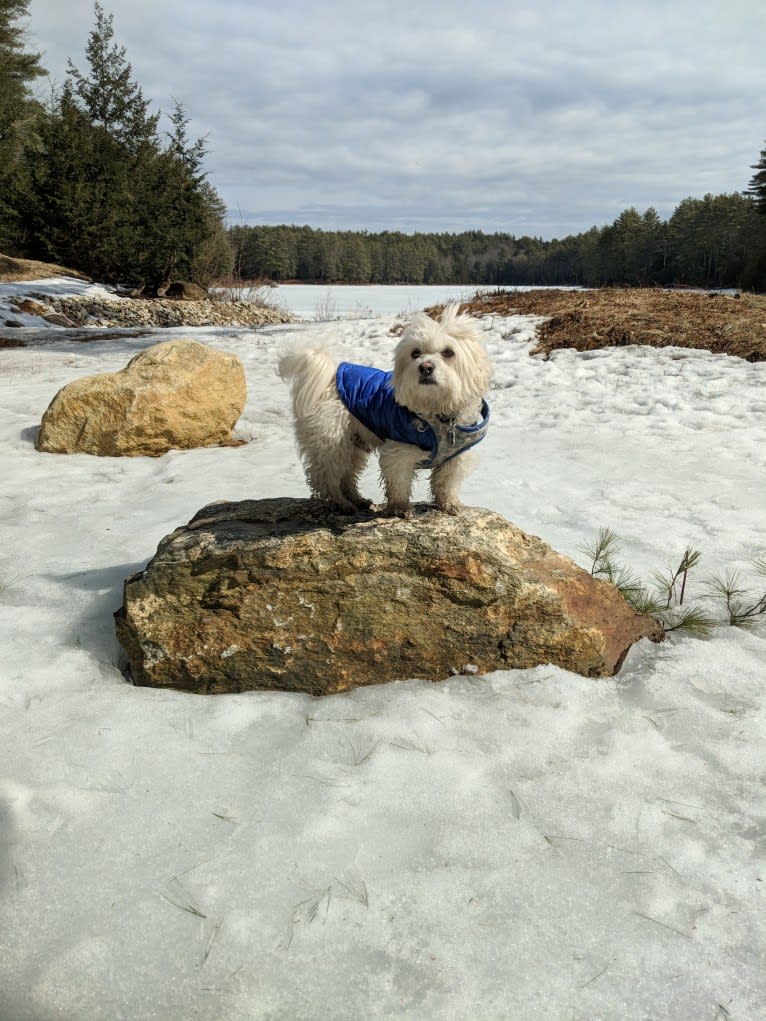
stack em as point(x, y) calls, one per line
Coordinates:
point(440, 369)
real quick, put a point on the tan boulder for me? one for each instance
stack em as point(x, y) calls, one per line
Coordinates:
point(178, 394)
point(181, 290)
point(285, 594)
point(30, 307)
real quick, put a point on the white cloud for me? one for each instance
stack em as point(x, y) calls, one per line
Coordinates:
point(538, 118)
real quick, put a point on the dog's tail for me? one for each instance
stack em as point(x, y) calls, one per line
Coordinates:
point(311, 372)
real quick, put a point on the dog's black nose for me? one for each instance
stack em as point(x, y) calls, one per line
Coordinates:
point(426, 368)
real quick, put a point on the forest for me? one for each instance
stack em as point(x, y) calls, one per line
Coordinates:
point(89, 181)
point(715, 242)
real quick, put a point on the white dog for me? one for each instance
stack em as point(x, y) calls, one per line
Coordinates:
point(427, 413)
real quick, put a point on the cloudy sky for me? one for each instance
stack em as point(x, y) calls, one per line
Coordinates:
point(529, 117)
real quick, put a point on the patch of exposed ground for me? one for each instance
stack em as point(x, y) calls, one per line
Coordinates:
point(13, 270)
point(115, 311)
point(616, 317)
point(81, 310)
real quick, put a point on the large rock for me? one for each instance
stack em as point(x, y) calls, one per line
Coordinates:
point(181, 290)
point(179, 394)
point(285, 594)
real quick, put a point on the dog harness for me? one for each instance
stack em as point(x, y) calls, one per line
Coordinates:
point(369, 395)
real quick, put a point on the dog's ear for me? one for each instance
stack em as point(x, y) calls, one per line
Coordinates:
point(459, 325)
point(449, 313)
point(417, 321)
point(476, 366)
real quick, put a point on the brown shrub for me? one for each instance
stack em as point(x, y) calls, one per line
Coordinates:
point(615, 317)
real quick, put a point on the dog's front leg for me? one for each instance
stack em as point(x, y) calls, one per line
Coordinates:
point(446, 481)
point(398, 462)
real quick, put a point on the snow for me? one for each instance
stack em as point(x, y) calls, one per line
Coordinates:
point(528, 844)
point(360, 301)
point(53, 287)
point(366, 301)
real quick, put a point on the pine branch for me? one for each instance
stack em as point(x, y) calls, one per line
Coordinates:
point(741, 606)
point(691, 620)
point(644, 601)
point(669, 585)
point(728, 585)
point(742, 615)
point(602, 552)
point(665, 597)
point(689, 560)
point(626, 582)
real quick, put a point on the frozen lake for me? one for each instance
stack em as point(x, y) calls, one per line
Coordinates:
point(322, 302)
point(319, 302)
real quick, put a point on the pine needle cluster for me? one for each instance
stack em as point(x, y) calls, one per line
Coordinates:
point(666, 595)
point(743, 607)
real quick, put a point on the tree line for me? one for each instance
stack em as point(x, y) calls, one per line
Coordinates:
point(717, 241)
point(89, 180)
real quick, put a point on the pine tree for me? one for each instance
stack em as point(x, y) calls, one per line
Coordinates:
point(98, 140)
point(757, 187)
point(181, 215)
point(108, 194)
point(108, 95)
point(77, 213)
point(18, 116)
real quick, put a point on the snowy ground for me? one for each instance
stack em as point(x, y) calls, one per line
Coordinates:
point(526, 845)
point(320, 302)
point(351, 301)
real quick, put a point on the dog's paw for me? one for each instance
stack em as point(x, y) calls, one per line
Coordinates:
point(449, 506)
point(397, 510)
point(360, 506)
point(341, 506)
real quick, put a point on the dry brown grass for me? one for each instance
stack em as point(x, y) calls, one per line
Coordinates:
point(13, 270)
point(615, 317)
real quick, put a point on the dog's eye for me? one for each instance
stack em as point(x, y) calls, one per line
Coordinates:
point(415, 353)
point(448, 353)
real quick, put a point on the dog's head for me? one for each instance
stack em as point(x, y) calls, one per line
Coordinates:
point(441, 367)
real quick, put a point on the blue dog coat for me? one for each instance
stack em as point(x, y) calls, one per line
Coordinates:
point(369, 396)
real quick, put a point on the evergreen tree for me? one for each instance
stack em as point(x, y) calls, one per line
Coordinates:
point(210, 255)
point(704, 235)
point(110, 196)
point(108, 95)
point(78, 211)
point(757, 188)
point(99, 143)
point(18, 116)
point(179, 216)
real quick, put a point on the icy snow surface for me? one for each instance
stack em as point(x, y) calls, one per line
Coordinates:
point(526, 845)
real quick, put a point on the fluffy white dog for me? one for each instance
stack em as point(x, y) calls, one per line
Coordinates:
point(428, 413)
